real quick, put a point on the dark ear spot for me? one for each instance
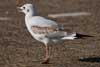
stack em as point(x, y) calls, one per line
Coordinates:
point(27, 10)
point(23, 7)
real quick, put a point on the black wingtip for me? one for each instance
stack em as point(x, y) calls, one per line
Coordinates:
point(80, 36)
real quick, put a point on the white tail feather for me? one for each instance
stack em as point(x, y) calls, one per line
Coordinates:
point(70, 37)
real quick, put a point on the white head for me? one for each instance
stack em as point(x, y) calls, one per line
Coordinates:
point(28, 9)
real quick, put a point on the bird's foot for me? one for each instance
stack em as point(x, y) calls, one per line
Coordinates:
point(45, 61)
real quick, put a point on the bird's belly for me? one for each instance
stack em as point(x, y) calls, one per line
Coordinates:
point(38, 36)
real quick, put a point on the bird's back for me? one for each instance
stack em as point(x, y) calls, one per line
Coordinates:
point(41, 21)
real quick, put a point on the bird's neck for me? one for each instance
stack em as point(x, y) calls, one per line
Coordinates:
point(27, 18)
point(28, 15)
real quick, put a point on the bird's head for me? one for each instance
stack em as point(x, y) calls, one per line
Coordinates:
point(27, 9)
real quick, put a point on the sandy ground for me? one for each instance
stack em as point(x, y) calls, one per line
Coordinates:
point(19, 49)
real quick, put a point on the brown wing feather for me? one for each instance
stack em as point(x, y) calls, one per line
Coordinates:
point(43, 30)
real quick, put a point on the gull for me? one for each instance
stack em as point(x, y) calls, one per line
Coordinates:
point(43, 29)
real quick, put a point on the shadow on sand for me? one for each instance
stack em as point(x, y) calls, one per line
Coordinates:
point(90, 59)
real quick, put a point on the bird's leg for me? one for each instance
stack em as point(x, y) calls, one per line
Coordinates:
point(46, 60)
point(47, 52)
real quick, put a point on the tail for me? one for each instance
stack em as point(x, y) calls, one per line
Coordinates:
point(71, 36)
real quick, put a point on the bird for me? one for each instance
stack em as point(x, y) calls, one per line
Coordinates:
point(44, 30)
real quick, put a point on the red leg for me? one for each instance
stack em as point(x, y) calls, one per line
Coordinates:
point(46, 60)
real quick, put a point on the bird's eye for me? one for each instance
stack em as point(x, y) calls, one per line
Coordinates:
point(23, 7)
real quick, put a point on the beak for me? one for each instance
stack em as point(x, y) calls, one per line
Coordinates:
point(19, 9)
